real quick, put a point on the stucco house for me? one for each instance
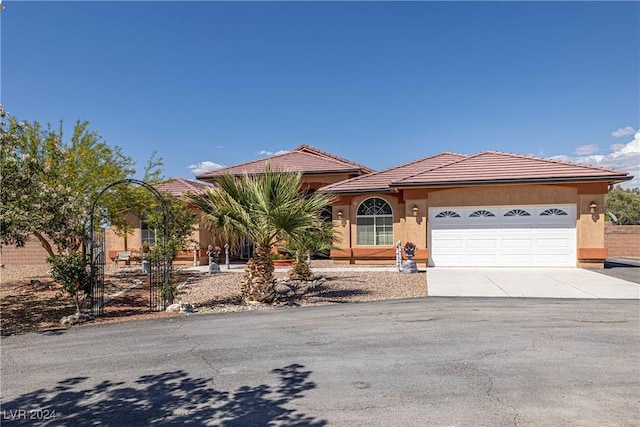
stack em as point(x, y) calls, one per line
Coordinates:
point(488, 209)
point(318, 169)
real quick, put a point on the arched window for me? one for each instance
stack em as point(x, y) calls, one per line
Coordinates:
point(552, 212)
point(480, 213)
point(148, 234)
point(517, 212)
point(374, 219)
point(448, 214)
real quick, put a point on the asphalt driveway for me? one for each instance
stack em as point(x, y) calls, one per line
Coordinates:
point(528, 283)
point(622, 268)
point(426, 361)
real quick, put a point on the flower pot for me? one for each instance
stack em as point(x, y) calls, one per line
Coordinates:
point(282, 262)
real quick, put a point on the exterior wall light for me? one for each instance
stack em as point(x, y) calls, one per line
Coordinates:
point(415, 210)
point(592, 207)
point(340, 214)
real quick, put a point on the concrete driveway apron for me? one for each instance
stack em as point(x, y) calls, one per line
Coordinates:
point(527, 283)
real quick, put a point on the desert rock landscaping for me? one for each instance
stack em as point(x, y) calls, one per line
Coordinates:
point(30, 300)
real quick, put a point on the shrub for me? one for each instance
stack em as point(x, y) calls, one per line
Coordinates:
point(72, 273)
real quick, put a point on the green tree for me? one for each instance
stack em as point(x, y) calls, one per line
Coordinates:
point(624, 204)
point(181, 221)
point(267, 209)
point(72, 273)
point(48, 186)
point(124, 200)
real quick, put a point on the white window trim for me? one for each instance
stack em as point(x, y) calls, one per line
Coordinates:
point(375, 236)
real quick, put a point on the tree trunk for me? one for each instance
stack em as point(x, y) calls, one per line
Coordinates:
point(45, 244)
point(300, 271)
point(258, 284)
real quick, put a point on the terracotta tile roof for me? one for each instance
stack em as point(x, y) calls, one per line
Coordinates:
point(381, 181)
point(491, 167)
point(304, 159)
point(313, 150)
point(180, 186)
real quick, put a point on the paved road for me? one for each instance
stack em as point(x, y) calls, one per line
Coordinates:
point(436, 361)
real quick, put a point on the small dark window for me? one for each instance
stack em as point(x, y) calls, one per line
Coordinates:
point(517, 212)
point(553, 211)
point(481, 213)
point(447, 214)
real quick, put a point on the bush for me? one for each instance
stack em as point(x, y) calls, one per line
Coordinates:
point(71, 272)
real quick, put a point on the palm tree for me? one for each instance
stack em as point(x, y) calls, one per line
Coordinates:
point(316, 240)
point(267, 209)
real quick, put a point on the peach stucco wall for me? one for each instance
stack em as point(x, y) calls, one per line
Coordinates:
point(407, 227)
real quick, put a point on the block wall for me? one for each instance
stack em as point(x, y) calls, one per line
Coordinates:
point(622, 240)
point(31, 254)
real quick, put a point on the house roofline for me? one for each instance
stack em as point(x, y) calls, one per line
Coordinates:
point(373, 190)
point(613, 179)
point(328, 171)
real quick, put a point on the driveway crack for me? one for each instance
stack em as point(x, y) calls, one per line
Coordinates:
point(496, 285)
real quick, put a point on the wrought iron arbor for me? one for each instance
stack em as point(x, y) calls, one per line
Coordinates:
point(160, 294)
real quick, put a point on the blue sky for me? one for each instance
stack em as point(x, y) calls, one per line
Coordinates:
point(380, 83)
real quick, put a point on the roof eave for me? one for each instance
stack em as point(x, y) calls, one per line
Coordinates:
point(368, 190)
point(333, 171)
point(612, 179)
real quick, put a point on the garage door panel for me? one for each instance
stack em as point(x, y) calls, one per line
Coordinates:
point(523, 242)
point(478, 243)
point(555, 242)
point(509, 238)
point(451, 243)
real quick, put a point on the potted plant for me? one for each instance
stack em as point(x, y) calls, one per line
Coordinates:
point(410, 249)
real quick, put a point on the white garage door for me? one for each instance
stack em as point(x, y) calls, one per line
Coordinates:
point(504, 236)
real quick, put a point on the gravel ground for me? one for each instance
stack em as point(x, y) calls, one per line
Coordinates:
point(221, 292)
point(29, 298)
point(15, 273)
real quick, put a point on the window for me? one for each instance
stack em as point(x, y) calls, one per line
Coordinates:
point(553, 211)
point(447, 214)
point(148, 234)
point(517, 212)
point(374, 220)
point(480, 213)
